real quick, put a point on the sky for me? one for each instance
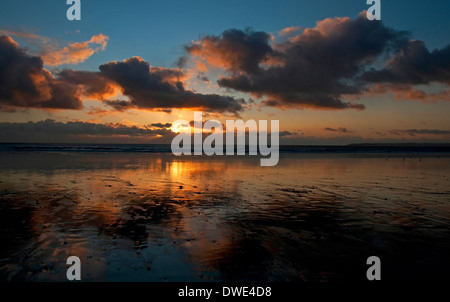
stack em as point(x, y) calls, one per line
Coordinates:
point(127, 70)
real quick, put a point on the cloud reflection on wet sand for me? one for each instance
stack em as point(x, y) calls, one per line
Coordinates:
point(157, 217)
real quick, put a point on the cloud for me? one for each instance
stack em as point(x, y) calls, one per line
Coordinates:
point(72, 131)
point(74, 53)
point(407, 92)
point(286, 133)
point(329, 66)
point(234, 50)
point(26, 83)
point(52, 54)
point(414, 64)
point(414, 132)
point(322, 67)
point(91, 85)
point(151, 87)
point(98, 111)
point(119, 105)
point(202, 77)
point(147, 87)
point(160, 125)
point(340, 129)
point(288, 31)
point(26, 35)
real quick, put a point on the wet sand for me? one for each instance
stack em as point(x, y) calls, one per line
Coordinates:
point(158, 217)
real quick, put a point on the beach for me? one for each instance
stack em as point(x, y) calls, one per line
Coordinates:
point(158, 217)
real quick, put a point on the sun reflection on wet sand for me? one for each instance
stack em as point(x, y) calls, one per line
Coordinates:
point(157, 217)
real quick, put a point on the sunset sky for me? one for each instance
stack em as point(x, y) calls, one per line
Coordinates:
point(130, 68)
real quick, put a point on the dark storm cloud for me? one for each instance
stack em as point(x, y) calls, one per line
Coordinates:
point(321, 66)
point(92, 84)
point(59, 130)
point(414, 64)
point(154, 87)
point(235, 49)
point(24, 82)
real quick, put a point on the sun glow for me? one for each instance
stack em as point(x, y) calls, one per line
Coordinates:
point(178, 127)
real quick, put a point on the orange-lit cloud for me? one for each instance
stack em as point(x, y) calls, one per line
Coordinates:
point(74, 53)
point(407, 92)
point(26, 83)
point(289, 30)
point(325, 28)
point(54, 55)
